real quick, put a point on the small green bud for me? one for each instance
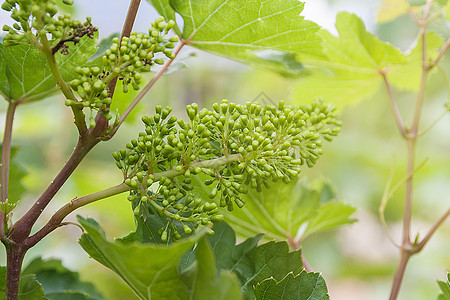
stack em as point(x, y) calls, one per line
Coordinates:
point(217, 218)
point(164, 236)
point(213, 193)
point(187, 229)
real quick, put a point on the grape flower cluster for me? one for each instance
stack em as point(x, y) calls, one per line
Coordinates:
point(39, 17)
point(125, 59)
point(224, 151)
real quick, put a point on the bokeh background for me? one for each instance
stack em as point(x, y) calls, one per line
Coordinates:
point(357, 261)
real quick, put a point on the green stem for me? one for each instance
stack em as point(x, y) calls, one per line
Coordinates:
point(398, 117)
point(77, 111)
point(6, 150)
point(58, 217)
point(6, 158)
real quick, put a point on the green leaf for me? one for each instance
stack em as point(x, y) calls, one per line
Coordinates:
point(4, 84)
point(27, 73)
point(285, 63)
point(205, 282)
point(353, 64)
point(164, 9)
point(391, 9)
point(251, 263)
point(356, 61)
point(149, 270)
point(445, 288)
point(303, 286)
point(16, 188)
point(241, 29)
point(297, 209)
point(329, 216)
point(29, 287)
point(59, 282)
point(223, 243)
point(270, 260)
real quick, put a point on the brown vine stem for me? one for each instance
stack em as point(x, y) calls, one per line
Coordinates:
point(432, 231)
point(22, 227)
point(412, 135)
point(6, 158)
point(404, 258)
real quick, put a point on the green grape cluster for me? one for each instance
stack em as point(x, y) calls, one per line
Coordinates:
point(125, 59)
point(137, 53)
point(230, 149)
point(35, 17)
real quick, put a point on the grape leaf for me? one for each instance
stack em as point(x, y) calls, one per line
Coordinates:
point(149, 270)
point(27, 73)
point(29, 287)
point(223, 243)
point(205, 282)
point(391, 9)
point(4, 84)
point(16, 188)
point(303, 286)
point(297, 209)
point(329, 216)
point(354, 62)
point(445, 288)
point(60, 283)
point(281, 62)
point(250, 263)
point(240, 29)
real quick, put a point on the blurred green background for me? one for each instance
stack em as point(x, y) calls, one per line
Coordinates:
point(357, 261)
